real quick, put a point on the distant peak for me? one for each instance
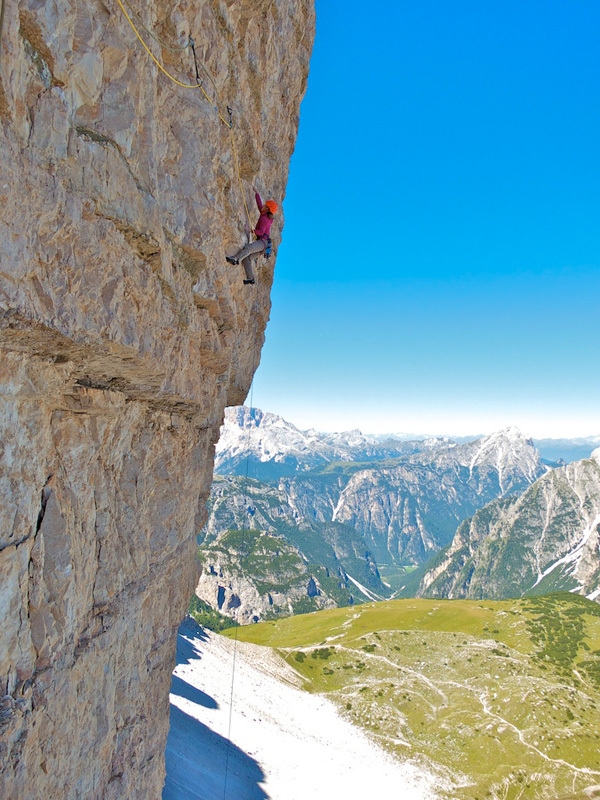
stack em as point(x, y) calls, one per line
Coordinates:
point(510, 432)
point(249, 417)
point(511, 435)
point(243, 416)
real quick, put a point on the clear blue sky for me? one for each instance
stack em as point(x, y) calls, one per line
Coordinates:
point(440, 264)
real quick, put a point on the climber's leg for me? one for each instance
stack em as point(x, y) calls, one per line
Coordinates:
point(247, 264)
point(253, 248)
point(247, 255)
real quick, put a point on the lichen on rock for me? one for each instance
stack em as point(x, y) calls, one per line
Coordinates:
point(124, 334)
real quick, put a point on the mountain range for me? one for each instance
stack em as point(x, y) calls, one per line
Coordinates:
point(334, 519)
point(265, 445)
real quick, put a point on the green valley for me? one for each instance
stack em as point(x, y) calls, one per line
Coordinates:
point(502, 698)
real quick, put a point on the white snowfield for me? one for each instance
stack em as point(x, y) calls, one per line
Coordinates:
point(285, 744)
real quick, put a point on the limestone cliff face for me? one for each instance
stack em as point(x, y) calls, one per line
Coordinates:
point(120, 193)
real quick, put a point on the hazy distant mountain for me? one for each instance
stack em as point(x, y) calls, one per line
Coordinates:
point(267, 444)
point(548, 539)
point(567, 450)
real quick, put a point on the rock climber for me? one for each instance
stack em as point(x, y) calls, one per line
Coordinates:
point(262, 244)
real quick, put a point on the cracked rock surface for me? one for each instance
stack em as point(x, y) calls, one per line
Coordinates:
point(124, 333)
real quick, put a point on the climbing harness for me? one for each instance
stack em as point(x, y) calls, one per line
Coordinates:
point(226, 120)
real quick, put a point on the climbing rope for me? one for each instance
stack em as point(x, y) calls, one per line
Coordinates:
point(247, 506)
point(235, 641)
point(198, 85)
point(178, 48)
point(229, 125)
point(172, 49)
point(192, 44)
point(157, 62)
point(254, 314)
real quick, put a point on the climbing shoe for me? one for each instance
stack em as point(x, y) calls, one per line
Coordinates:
point(249, 280)
point(232, 260)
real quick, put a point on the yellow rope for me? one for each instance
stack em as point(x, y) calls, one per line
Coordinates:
point(151, 54)
point(162, 69)
point(194, 86)
point(178, 49)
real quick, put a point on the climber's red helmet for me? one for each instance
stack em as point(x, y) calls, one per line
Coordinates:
point(272, 206)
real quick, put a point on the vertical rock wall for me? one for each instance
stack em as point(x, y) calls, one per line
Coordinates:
point(119, 193)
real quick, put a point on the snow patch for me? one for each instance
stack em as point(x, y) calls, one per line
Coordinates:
point(575, 555)
point(364, 590)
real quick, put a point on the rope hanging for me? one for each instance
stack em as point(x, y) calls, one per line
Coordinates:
point(246, 501)
point(172, 49)
point(198, 85)
point(229, 124)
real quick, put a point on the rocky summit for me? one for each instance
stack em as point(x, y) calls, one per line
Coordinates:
point(124, 182)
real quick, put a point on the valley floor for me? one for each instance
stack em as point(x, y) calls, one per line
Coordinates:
point(285, 744)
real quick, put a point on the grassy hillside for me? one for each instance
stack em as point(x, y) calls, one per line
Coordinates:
point(504, 697)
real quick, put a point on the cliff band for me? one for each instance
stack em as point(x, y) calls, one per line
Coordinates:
point(124, 334)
